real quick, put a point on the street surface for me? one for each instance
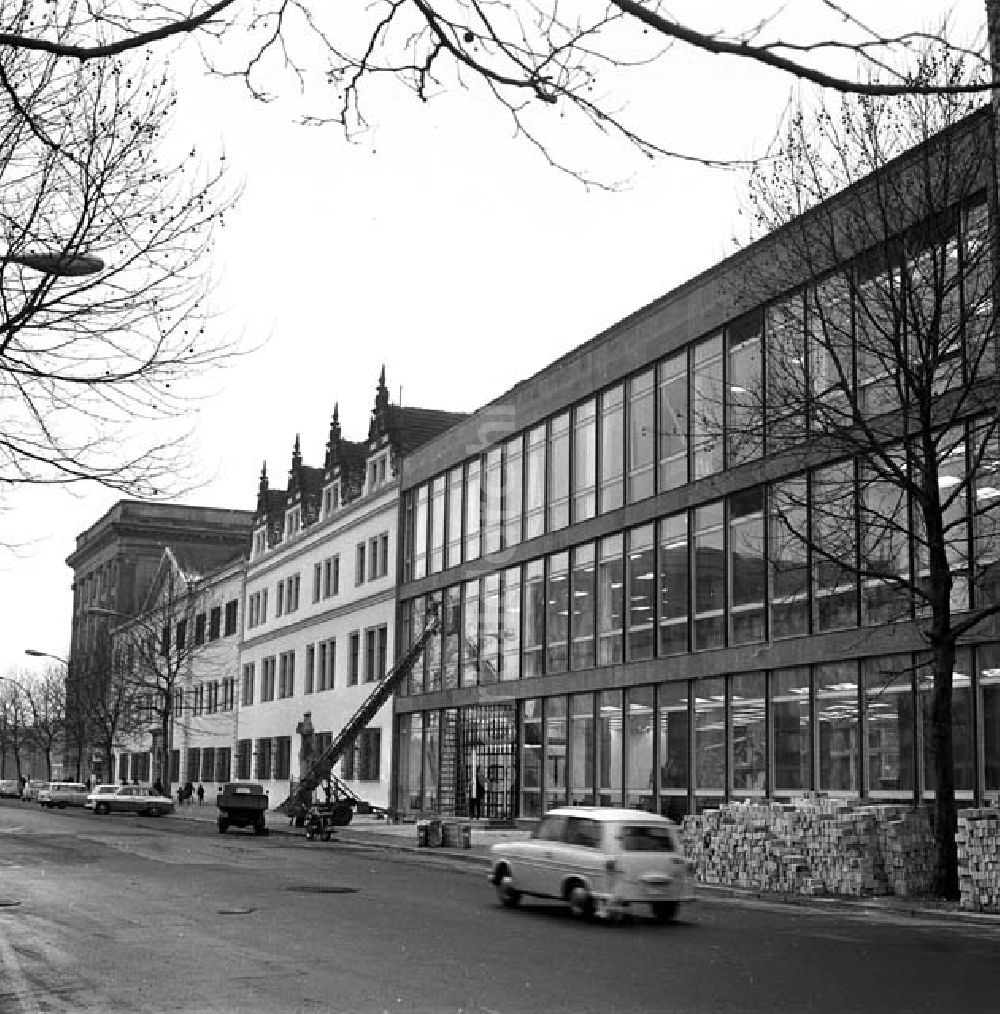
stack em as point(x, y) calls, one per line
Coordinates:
point(112, 914)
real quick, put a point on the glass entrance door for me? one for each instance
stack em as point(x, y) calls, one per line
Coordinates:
point(486, 742)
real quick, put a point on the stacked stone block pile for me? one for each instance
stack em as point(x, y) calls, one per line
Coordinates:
point(978, 841)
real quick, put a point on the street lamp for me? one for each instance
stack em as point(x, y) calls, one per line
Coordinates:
point(61, 264)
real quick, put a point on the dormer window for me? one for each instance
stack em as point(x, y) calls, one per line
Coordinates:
point(376, 473)
point(331, 498)
point(259, 543)
point(293, 521)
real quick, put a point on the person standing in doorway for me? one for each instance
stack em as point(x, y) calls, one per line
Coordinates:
point(477, 793)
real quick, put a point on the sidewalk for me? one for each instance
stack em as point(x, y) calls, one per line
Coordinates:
point(366, 830)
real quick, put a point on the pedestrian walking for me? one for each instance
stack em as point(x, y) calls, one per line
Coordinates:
point(201, 794)
point(477, 792)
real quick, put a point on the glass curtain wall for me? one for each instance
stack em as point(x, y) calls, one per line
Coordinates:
point(709, 741)
point(673, 585)
point(436, 560)
point(558, 472)
point(612, 460)
point(534, 490)
point(747, 694)
point(489, 652)
point(744, 390)
point(609, 747)
point(557, 614)
point(674, 744)
point(583, 608)
point(747, 566)
point(585, 461)
point(785, 423)
point(709, 576)
point(510, 629)
point(789, 557)
point(513, 490)
point(531, 757)
point(639, 717)
point(641, 600)
point(792, 735)
point(581, 749)
point(641, 437)
point(453, 541)
point(555, 752)
point(707, 408)
point(890, 726)
point(835, 563)
point(469, 650)
point(673, 421)
point(493, 500)
point(430, 765)
point(452, 633)
point(533, 636)
point(837, 727)
point(473, 509)
point(610, 600)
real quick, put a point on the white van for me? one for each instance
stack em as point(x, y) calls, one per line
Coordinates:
point(63, 794)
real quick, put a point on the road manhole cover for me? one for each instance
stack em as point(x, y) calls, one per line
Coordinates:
point(321, 889)
point(236, 911)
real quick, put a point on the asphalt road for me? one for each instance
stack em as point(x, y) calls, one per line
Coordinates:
point(109, 914)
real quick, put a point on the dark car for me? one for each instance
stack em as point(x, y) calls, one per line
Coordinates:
point(242, 804)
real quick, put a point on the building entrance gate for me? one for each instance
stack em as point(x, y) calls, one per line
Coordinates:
point(487, 739)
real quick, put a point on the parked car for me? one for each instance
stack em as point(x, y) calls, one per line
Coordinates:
point(62, 794)
point(599, 860)
point(31, 790)
point(100, 790)
point(242, 804)
point(10, 788)
point(133, 799)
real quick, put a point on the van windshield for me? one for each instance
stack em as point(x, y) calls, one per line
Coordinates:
point(645, 838)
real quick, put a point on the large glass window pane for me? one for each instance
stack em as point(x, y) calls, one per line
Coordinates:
point(469, 651)
point(835, 574)
point(673, 585)
point(962, 729)
point(989, 678)
point(436, 560)
point(611, 492)
point(877, 314)
point(534, 509)
point(786, 374)
point(433, 654)
point(585, 460)
point(493, 500)
point(890, 726)
point(581, 749)
point(985, 445)
point(747, 568)
point(706, 415)
point(531, 757)
point(610, 600)
point(534, 618)
point(709, 577)
point(641, 593)
point(710, 736)
point(557, 614)
point(674, 747)
point(453, 556)
point(609, 747)
point(558, 469)
point(583, 609)
point(473, 509)
point(452, 630)
point(885, 545)
point(977, 278)
point(555, 752)
point(788, 549)
point(418, 616)
point(790, 692)
point(420, 534)
point(639, 781)
point(641, 437)
point(830, 344)
point(410, 758)
point(747, 695)
point(837, 724)
point(744, 415)
point(430, 765)
point(513, 490)
point(510, 653)
point(673, 393)
point(489, 652)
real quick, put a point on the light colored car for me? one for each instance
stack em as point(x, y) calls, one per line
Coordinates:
point(31, 790)
point(10, 788)
point(599, 860)
point(133, 799)
point(62, 794)
point(97, 791)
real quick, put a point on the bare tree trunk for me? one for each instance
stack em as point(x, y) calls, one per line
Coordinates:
point(946, 872)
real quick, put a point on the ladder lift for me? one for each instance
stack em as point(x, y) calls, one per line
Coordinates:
point(341, 800)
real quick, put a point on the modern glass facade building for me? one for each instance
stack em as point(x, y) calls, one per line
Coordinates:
point(644, 598)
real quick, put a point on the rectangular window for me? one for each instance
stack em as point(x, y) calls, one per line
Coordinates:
point(244, 756)
point(707, 442)
point(262, 769)
point(673, 423)
point(531, 757)
point(454, 527)
point(709, 577)
point(962, 728)
point(830, 344)
point(493, 500)
point(608, 745)
point(232, 616)
point(885, 543)
point(744, 390)
point(834, 538)
point(558, 472)
point(267, 668)
point(641, 594)
point(583, 609)
point(279, 605)
point(513, 490)
point(282, 757)
point(889, 726)
point(469, 648)
point(420, 533)
point(673, 585)
point(710, 738)
point(370, 755)
point(354, 671)
point(611, 494)
point(199, 629)
point(534, 618)
point(749, 735)
point(435, 561)
point(555, 751)
point(370, 655)
point(223, 764)
point(510, 625)
point(310, 668)
point(638, 734)
point(674, 742)
point(489, 646)
point(331, 577)
point(789, 558)
point(580, 760)
point(790, 706)
point(383, 555)
point(641, 437)
point(534, 507)
point(382, 651)
point(747, 568)
point(786, 375)
point(451, 635)
point(180, 635)
point(473, 510)
point(585, 461)
point(327, 664)
point(215, 623)
point(557, 614)
point(294, 588)
point(610, 600)
point(208, 764)
point(359, 564)
point(988, 657)
point(317, 581)
point(837, 726)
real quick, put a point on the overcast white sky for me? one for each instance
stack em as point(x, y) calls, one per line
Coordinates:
point(440, 246)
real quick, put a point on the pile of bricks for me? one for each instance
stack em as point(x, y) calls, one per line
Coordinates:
point(978, 840)
point(813, 845)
